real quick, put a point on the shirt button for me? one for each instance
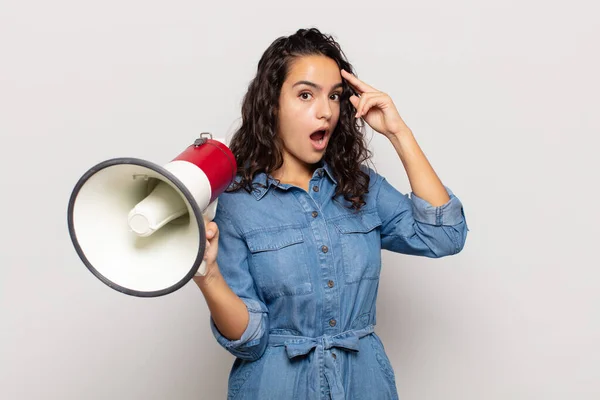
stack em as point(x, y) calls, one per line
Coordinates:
point(316, 188)
point(314, 214)
point(330, 284)
point(324, 249)
point(332, 322)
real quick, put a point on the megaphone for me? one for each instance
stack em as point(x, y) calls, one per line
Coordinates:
point(139, 227)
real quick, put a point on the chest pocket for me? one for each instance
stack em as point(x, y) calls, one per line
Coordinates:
point(279, 262)
point(361, 246)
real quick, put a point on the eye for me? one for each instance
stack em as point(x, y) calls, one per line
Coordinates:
point(336, 96)
point(304, 95)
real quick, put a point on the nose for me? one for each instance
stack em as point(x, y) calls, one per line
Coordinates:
point(324, 110)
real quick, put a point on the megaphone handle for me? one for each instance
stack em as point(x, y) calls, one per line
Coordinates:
point(202, 269)
point(211, 210)
point(209, 214)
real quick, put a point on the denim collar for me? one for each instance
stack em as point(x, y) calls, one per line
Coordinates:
point(262, 183)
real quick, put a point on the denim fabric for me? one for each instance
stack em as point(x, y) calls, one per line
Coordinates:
point(308, 268)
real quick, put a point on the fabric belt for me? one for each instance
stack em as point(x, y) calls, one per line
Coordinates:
point(301, 345)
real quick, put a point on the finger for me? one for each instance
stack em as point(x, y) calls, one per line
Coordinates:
point(211, 230)
point(356, 83)
point(355, 100)
point(206, 250)
point(369, 103)
point(361, 102)
point(360, 110)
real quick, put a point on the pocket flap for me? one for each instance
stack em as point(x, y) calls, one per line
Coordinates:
point(361, 223)
point(273, 240)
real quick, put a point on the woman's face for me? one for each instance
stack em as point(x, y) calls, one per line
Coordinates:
point(309, 109)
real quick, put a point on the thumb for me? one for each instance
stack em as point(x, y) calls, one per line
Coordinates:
point(212, 230)
point(354, 100)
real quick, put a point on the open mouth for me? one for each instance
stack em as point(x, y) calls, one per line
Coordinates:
point(318, 136)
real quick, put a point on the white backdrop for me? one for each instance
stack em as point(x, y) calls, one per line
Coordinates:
point(502, 97)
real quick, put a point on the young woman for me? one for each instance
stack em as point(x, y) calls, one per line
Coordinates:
point(294, 252)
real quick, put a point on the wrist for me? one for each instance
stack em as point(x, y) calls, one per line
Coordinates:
point(401, 136)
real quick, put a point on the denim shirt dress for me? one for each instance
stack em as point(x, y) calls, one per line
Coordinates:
point(307, 268)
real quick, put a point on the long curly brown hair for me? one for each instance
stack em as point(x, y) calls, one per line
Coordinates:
point(258, 148)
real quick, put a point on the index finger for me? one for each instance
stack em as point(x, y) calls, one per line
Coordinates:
point(356, 83)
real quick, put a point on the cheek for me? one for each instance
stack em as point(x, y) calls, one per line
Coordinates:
point(286, 120)
point(290, 127)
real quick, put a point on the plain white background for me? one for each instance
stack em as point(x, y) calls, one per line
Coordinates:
point(502, 96)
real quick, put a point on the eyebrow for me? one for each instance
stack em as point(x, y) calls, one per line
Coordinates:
point(312, 84)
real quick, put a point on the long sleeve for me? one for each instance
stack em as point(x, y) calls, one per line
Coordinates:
point(232, 259)
point(411, 225)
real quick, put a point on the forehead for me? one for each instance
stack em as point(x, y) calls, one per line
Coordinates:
point(321, 70)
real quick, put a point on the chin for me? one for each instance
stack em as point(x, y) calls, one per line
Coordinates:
point(309, 156)
point(314, 159)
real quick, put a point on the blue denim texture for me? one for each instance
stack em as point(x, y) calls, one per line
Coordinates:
point(308, 268)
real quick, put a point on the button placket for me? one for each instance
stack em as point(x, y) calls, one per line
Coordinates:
point(321, 235)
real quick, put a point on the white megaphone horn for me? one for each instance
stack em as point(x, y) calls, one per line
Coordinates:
point(139, 227)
